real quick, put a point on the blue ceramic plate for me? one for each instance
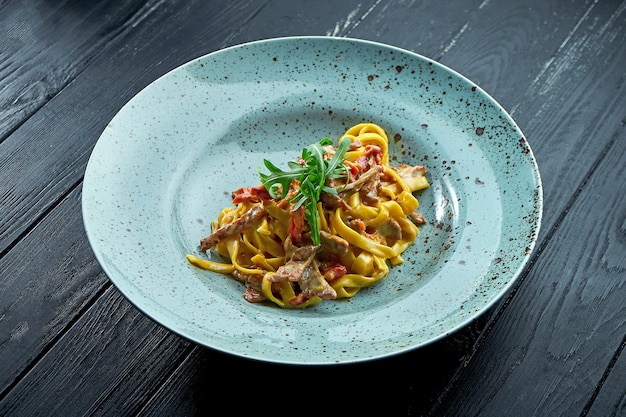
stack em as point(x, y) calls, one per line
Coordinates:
point(166, 164)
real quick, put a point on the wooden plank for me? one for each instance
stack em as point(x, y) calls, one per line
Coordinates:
point(77, 379)
point(170, 400)
point(610, 397)
point(43, 158)
point(553, 120)
point(302, 18)
point(48, 44)
point(45, 288)
point(505, 46)
point(427, 28)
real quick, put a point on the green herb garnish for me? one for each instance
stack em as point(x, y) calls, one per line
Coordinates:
point(312, 176)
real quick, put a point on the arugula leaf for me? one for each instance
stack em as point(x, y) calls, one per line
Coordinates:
point(277, 184)
point(312, 176)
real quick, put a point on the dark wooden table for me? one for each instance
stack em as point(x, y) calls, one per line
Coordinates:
point(70, 344)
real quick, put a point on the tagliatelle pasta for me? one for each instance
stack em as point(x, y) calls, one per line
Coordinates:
point(295, 252)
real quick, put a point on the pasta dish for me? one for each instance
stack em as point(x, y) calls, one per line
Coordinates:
point(332, 224)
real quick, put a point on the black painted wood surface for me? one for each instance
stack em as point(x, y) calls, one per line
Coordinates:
point(70, 344)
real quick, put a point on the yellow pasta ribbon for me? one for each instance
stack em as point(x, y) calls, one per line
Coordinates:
point(286, 293)
point(357, 239)
point(233, 246)
point(210, 265)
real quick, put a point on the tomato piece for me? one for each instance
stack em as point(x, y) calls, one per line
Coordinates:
point(296, 224)
point(252, 194)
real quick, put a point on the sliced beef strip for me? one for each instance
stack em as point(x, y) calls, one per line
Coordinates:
point(247, 220)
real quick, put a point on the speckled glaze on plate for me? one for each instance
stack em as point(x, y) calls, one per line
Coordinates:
point(165, 165)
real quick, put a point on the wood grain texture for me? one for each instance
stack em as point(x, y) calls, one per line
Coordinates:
point(504, 46)
point(291, 18)
point(609, 400)
point(39, 59)
point(411, 25)
point(77, 379)
point(46, 288)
